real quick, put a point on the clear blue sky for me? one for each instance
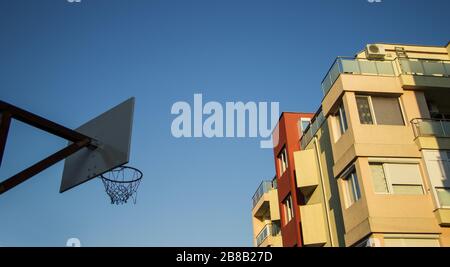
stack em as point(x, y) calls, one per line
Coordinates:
point(72, 61)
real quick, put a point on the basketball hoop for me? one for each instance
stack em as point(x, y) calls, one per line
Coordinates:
point(122, 183)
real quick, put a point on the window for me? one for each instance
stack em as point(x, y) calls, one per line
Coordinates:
point(396, 178)
point(288, 209)
point(304, 122)
point(282, 161)
point(379, 178)
point(340, 122)
point(438, 167)
point(351, 186)
point(342, 119)
point(364, 111)
point(379, 110)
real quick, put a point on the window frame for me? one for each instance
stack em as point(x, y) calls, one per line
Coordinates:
point(288, 209)
point(356, 188)
point(301, 121)
point(388, 187)
point(283, 162)
point(389, 184)
point(372, 110)
point(337, 121)
point(442, 159)
point(342, 119)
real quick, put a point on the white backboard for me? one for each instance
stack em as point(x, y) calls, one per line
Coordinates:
point(112, 132)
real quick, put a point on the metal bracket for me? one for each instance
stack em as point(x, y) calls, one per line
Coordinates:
point(79, 140)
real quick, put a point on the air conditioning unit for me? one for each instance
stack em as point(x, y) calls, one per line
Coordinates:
point(374, 51)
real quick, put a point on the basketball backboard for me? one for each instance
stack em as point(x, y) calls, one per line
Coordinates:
point(112, 134)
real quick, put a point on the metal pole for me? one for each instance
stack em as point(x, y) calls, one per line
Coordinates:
point(44, 124)
point(42, 165)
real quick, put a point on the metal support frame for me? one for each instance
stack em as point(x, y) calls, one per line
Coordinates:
point(5, 122)
point(9, 112)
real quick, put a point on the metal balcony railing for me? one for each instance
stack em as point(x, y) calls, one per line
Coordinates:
point(263, 188)
point(412, 66)
point(270, 229)
point(431, 127)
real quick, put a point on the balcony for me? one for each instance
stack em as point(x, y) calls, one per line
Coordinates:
point(311, 130)
point(313, 225)
point(424, 67)
point(306, 171)
point(431, 127)
point(424, 73)
point(270, 235)
point(265, 201)
point(357, 66)
point(432, 133)
point(416, 71)
point(263, 188)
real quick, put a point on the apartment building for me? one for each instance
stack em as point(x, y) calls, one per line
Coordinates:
point(373, 166)
point(287, 133)
point(271, 195)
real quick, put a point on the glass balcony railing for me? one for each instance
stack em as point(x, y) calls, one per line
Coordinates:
point(412, 66)
point(424, 67)
point(431, 127)
point(271, 229)
point(356, 66)
point(263, 188)
point(312, 129)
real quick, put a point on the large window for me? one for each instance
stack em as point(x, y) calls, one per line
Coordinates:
point(379, 110)
point(303, 124)
point(351, 187)
point(282, 161)
point(288, 209)
point(396, 178)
